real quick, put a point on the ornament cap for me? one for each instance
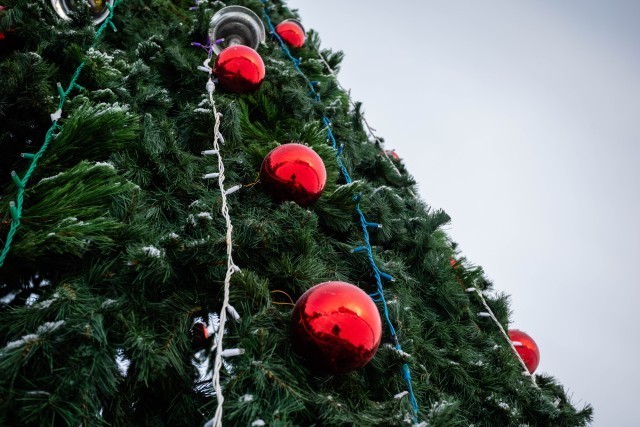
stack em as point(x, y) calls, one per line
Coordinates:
point(99, 9)
point(237, 25)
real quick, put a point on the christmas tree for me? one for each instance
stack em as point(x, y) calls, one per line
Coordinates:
point(168, 194)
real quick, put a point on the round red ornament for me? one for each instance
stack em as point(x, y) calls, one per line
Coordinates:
point(393, 155)
point(526, 348)
point(336, 327)
point(291, 32)
point(293, 172)
point(239, 69)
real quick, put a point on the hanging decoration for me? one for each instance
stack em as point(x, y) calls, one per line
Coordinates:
point(526, 348)
point(236, 25)
point(292, 33)
point(227, 309)
point(99, 9)
point(239, 69)
point(336, 327)
point(293, 172)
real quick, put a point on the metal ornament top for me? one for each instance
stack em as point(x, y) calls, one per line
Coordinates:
point(99, 9)
point(237, 25)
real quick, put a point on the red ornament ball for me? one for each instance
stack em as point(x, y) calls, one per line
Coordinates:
point(336, 327)
point(526, 347)
point(291, 32)
point(239, 69)
point(393, 155)
point(293, 172)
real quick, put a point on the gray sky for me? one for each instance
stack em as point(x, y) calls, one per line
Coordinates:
point(521, 120)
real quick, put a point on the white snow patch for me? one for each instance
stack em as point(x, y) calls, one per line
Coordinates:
point(152, 251)
point(203, 110)
point(29, 338)
point(108, 303)
point(246, 398)
point(32, 299)
point(9, 297)
point(47, 303)
point(382, 187)
point(49, 327)
point(205, 215)
point(401, 395)
point(50, 178)
point(104, 165)
point(122, 362)
point(258, 423)
point(22, 341)
point(401, 353)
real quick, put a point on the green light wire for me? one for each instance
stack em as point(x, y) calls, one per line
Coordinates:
point(16, 208)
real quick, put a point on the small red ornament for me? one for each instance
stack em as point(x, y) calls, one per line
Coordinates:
point(526, 347)
point(291, 32)
point(393, 155)
point(293, 172)
point(336, 327)
point(239, 69)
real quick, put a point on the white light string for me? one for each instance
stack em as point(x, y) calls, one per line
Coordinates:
point(489, 313)
point(220, 353)
point(370, 130)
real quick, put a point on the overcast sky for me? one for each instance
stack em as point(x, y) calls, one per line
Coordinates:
point(521, 120)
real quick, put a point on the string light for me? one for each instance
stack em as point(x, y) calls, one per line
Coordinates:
point(227, 308)
point(489, 313)
point(15, 207)
point(378, 274)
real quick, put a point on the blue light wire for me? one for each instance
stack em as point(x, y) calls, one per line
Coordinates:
point(378, 296)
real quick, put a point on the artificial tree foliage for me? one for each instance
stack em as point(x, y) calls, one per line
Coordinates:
point(121, 246)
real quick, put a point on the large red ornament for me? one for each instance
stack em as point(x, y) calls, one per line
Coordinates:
point(239, 69)
point(293, 172)
point(336, 327)
point(526, 347)
point(291, 32)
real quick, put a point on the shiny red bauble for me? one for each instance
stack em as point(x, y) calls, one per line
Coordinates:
point(291, 32)
point(393, 155)
point(336, 327)
point(293, 172)
point(239, 69)
point(526, 347)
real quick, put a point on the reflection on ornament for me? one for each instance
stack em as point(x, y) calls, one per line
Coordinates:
point(526, 348)
point(336, 327)
point(239, 69)
point(98, 9)
point(199, 336)
point(291, 32)
point(293, 172)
